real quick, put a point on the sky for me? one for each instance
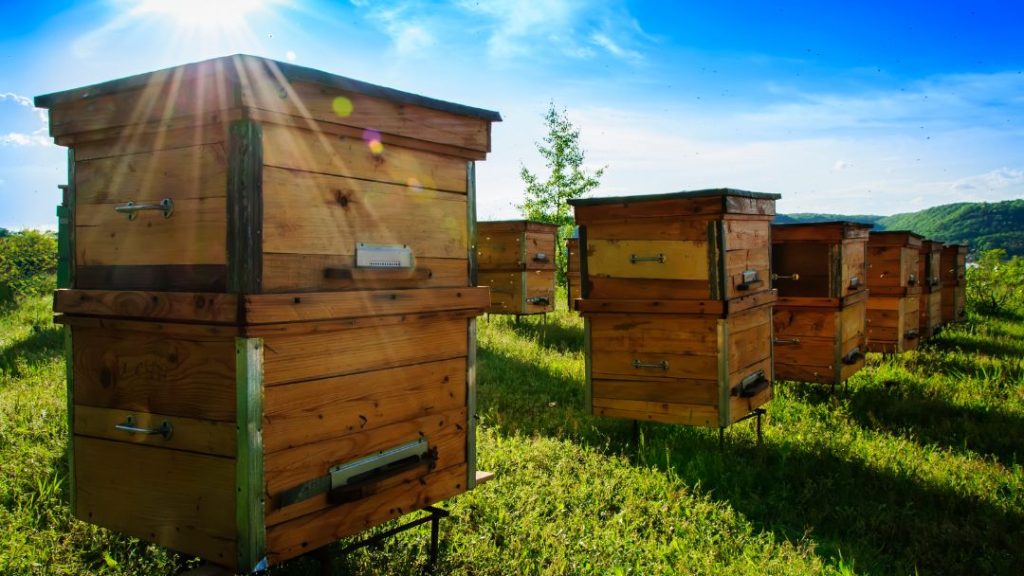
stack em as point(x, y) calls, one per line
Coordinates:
point(842, 107)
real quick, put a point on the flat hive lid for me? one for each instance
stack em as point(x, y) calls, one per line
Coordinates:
point(895, 238)
point(831, 230)
point(527, 225)
point(682, 195)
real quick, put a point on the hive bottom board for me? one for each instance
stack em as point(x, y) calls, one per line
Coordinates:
point(931, 313)
point(822, 344)
point(679, 368)
point(526, 292)
point(239, 420)
point(893, 323)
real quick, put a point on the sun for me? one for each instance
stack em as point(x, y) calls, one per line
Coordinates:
point(202, 14)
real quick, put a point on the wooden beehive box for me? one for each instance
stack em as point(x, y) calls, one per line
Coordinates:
point(517, 262)
point(895, 289)
point(572, 270)
point(820, 273)
point(953, 272)
point(677, 305)
point(929, 273)
point(251, 288)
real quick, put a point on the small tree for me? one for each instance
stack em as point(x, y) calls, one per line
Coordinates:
point(28, 260)
point(547, 200)
point(994, 283)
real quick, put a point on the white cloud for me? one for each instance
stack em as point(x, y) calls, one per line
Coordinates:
point(841, 165)
point(37, 137)
point(995, 180)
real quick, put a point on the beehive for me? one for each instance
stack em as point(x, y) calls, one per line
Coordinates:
point(677, 305)
point(894, 299)
point(820, 273)
point(929, 273)
point(572, 270)
point(953, 268)
point(517, 261)
point(251, 287)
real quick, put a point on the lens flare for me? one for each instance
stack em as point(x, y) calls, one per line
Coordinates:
point(372, 139)
point(342, 106)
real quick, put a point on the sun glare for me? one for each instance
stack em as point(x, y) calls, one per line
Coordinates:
point(210, 14)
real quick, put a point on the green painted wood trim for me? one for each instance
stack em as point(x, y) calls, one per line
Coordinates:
point(716, 259)
point(69, 371)
point(588, 382)
point(724, 412)
point(581, 247)
point(471, 220)
point(249, 520)
point(69, 202)
point(245, 207)
point(471, 330)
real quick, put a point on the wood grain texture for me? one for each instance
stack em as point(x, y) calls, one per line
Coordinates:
point(309, 151)
point(682, 260)
point(322, 409)
point(177, 499)
point(154, 373)
point(686, 414)
point(307, 213)
point(186, 173)
point(274, 308)
point(680, 391)
point(191, 306)
point(138, 138)
point(292, 358)
point(176, 278)
point(190, 434)
point(306, 273)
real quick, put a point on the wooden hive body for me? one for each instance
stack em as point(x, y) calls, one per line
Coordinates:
point(572, 271)
point(677, 305)
point(929, 271)
point(516, 260)
point(894, 291)
point(820, 317)
point(267, 324)
point(953, 272)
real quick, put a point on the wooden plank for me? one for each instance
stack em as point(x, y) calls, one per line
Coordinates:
point(306, 273)
point(318, 410)
point(703, 208)
point(307, 213)
point(191, 306)
point(652, 229)
point(188, 173)
point(540, 250)
point(141, 138)
point(499, 247)
point(748, 234)
point(852, 320)
point(792, 322)
point(754, 365)
point(445, 432)
point(291, 358)
point(177, 278)
point(681, 391)
point(616, 365)
point(262, 89)
point(740, 407)
point(809, 351)
point(739, 261)
point(506, 290)
point(854, 255)
point(273, 308)
point(804, 372)
point(176, 499)
point(296, 537)
point(315, 152)
point(190, 434)
point(155, 373)
point(749, 346)
point(245, 207)
point(750, 206)
point(648, 289)
point(591, 306)
point(681, 260)
point(337, 324)
point(686, 414)
point(193, 235)
point(540, 291)
point(653, 334)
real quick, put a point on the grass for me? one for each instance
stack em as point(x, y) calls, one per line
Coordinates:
point(914, 468)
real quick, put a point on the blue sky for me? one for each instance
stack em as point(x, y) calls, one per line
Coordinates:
point(845, 107)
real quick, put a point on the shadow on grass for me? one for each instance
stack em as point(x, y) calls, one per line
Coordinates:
point(42, 344)
point(934, 421)
point(547, 332)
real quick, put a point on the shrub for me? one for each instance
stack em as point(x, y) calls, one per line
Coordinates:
point(994, 283)
point(28, 261)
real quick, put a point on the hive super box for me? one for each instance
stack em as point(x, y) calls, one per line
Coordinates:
point(677, 304)
point(953, 272)
point(820, 272)
point(894, 301)
point(516, 260)
point(271, 333)
point(929, 275)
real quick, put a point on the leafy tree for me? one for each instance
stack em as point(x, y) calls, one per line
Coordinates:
point(547, 200)
point(993, 283)
point(28, 260)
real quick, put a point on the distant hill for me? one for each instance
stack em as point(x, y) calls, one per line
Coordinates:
point(982, 225)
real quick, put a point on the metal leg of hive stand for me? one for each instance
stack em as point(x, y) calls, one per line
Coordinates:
point(434, 516)
point(721, 438)
point(756, 413)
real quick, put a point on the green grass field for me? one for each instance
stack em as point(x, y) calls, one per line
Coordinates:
point(915, 468)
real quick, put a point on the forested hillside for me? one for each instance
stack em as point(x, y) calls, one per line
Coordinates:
point(982, 225)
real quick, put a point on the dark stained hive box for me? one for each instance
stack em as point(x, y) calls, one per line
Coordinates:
point(894, 291)
point(252, 283)
point(929, 273)
point(677, 305)
point(572, 270)
point(516, 260)
point(953, 271)
point(820, 273)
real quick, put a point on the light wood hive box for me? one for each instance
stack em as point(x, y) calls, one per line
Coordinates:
point(572, 271)
point(953, 273)
point(820, 272)
point(517, 262)
point(929, 273)
point(677, 304)
point(894, 299)
point(271, 275)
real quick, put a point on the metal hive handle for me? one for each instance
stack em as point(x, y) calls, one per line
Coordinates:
point(662, 365)
point(132, 209)
point(129, 426)
point(794, 276)
point(660, 258)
